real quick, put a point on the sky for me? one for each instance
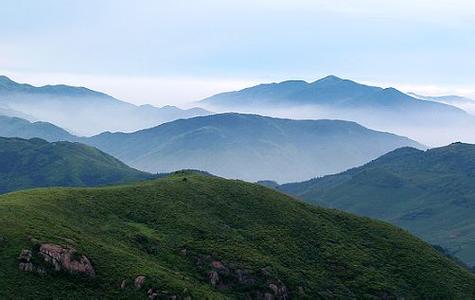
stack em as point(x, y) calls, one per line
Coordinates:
point(174, 51)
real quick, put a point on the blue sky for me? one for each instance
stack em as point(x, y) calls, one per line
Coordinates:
point(171, 52)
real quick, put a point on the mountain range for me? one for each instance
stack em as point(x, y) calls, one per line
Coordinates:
point(387, 109)
point(430, 193)
point(250, 147)
point(190, 236)
point(76, 222)
point(83, 111)
point(36, 163)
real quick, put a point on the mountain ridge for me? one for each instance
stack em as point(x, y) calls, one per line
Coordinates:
point(430, 193)
point(37, 163)
point(224, 143)
point(387, 109)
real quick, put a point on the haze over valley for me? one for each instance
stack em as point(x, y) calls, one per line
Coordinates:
point(81, 110)
point(434, 121)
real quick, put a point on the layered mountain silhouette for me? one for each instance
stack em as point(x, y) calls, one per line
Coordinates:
point(17, 127)
point(250, 147)
point(190, 236)
point(330, 90)
point(332, 97)
point(243, 146)
point(431, 193)
point(37, 163)
point(84, 111)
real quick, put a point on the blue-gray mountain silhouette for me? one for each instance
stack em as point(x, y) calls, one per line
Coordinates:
point(250, 147)
point(385, 109)
point(84, 111)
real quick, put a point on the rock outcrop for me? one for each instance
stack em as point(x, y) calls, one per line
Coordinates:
point(67, 259)
point(139, 281)
point(123, 284)
point(261, 283)
point(57, 258)
point(25, 264)
point(279, 290)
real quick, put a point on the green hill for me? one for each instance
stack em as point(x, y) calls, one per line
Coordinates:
point(201, 237)
point(430, 193)
point(37, 163)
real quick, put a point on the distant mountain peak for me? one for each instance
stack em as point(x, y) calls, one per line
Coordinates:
point(460, 145)
point(5, 78)
point(331, 78)
point(292, 81)
point(211, 143)
point(6, 81)
point(393, 91)
point(61, 89)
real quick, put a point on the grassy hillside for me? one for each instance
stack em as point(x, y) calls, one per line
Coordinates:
point(430, 193)
point(204, 237)
point(250, 147)
point(37, 163)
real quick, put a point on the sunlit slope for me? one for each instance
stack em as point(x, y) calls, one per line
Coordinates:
point(430, 193)
point(202, 237)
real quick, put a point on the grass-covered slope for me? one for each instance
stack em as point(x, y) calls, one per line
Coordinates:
point(430, 193)
point(37, 163)
point(188, 231)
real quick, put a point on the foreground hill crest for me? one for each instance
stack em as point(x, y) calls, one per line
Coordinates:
point(190, 235)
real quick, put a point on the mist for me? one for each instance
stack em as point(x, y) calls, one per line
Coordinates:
point(429, 129)
point(87, 116)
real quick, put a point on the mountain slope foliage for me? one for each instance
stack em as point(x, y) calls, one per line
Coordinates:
point(430, 193)
point(37, 163)
point(201, 237)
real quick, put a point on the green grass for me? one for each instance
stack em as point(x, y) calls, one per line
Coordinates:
point(37, 163)
point(430, 193)
point(140, 229)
